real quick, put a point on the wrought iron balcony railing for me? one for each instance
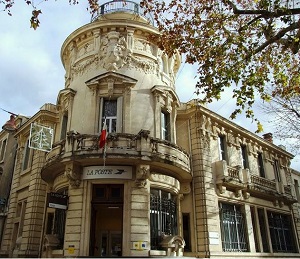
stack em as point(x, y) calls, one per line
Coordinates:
point(122, 6)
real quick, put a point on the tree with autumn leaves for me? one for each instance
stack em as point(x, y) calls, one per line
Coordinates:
point(244, 45)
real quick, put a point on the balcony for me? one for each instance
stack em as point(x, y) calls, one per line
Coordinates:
point(241, 181)
point(122, 6)
point(121, 148)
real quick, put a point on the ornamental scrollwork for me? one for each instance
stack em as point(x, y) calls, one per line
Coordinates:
point(72, 172)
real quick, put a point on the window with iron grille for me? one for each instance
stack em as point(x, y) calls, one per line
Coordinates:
point(60, 222)
point(281, 233)
point(163, 216)
point(232, 222)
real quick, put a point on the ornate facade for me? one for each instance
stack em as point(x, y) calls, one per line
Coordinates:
point(172, 179)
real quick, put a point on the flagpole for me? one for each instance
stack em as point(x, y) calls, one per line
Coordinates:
point(102, 141)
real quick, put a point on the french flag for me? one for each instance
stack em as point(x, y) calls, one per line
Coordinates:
point(103, 135)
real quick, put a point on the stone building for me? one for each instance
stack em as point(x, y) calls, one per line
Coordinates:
point(7, 158)
point(170, 179)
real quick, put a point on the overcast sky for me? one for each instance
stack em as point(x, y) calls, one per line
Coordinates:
point(31, 72)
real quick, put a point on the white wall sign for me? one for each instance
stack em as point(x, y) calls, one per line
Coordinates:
point(213, 238)
point(107, 172)
point(41, 137)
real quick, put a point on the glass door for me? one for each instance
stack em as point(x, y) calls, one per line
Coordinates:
point(107, 221)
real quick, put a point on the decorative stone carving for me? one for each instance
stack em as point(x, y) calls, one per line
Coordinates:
point(143, 46)
point(83, 66)
point(113, 51)
point(204, 140)
point(185, 188)
point(173, 245)
point(142, 174)
point(73, 173)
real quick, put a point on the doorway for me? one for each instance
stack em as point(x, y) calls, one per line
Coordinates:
point(107, 221)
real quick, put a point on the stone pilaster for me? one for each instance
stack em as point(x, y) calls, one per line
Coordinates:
point(140, 221)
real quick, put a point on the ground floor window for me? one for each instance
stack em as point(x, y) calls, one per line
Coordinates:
point(56, 223)
point(281, 233)
point(163, 216)
point(232, 224)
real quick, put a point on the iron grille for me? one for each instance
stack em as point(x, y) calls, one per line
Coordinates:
point(163, 219)
point(233, 229)
point(59, 226)
point(281, 232)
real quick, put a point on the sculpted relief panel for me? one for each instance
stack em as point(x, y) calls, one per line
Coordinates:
point(112, 54)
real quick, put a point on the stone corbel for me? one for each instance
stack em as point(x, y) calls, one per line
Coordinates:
point(142, 175)
point(185, 188)
point(246, 195)
point(276, 203)
point(220, 189)
point(238, 193)
point(73, 173)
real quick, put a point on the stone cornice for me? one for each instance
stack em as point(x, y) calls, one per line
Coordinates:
point(192, 108)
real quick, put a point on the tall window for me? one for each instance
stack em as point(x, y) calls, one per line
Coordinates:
point(56, 223)
point(281, 233)
point(260, 163)
point(3, 147)
point(263, 229)
point(296, 185)
point(20, 216)
point(277, 170)
point(222, 147)
point(109, 114)
point(111, 111)
point(28, 155)
point(64, 123)
point(234, 237)
point(244, 156)
point(163, 216)
point(165, 126)
point(186, 226)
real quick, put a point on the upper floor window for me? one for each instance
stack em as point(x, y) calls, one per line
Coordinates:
point(260, 164)
point(165, 125)
point(111, 114)
point(28, 155)
point(277, 170)
point(222, 147)
point(244, 156)
point(296, 185)
point(3, 148)
point(232, 223)
point(64, 123)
